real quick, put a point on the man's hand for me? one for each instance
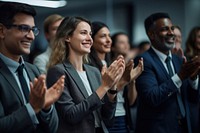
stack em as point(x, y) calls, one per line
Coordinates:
point(43, 98)
point(190, 69)
point(37, 93)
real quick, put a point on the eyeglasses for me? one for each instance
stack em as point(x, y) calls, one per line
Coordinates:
point(25, 28)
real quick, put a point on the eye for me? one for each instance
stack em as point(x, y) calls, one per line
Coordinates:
point(83, 32)
point(24, 28)
point(164, 29)
point(172, 28)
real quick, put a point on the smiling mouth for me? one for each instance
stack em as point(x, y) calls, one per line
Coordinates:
point(170, 39)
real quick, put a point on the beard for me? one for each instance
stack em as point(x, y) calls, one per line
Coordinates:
point(164, 44)
point(169, 46)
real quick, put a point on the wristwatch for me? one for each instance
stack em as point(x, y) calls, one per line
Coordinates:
point(112, 91)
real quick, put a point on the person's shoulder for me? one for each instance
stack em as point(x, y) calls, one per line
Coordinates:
point(41, 56)
point(146, 55)
point(58, 68)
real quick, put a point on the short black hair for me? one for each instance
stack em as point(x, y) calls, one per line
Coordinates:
point(152, 18)
point(8, 10)
point(96, 26)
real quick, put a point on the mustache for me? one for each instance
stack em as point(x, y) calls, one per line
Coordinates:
point(170, 36)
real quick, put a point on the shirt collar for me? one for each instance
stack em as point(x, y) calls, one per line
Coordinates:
point(11, 64)
point(161, 55)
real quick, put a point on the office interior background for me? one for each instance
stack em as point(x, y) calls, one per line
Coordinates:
point(123, 15)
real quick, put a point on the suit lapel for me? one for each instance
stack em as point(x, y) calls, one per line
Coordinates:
point(30, 73)
point(176, 64)
point(74, 75)
point(159, 64)
point(11, 80)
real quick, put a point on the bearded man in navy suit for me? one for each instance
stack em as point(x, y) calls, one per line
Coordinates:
point(166, 87)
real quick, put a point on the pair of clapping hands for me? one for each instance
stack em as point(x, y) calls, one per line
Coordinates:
point(190, 69)
point(119, 73)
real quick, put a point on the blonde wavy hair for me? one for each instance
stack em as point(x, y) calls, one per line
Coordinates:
point(60, 49)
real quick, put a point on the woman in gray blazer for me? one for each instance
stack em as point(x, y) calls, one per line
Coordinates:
point(85, 105)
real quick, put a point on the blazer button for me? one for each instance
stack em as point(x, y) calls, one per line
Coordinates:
point(169, 94)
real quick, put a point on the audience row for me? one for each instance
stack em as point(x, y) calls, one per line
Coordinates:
point(88, 81)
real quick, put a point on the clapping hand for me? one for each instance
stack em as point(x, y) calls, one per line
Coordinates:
point(112, 74)
point(43, 98)
point(130, 73)
point(190, 69)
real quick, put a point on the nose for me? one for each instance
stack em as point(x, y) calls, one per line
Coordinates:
point(89, 38)
point(108, 39)
point(171, 31)
point(30, 35)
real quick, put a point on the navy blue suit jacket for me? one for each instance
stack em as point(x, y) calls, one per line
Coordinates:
point(158, 108)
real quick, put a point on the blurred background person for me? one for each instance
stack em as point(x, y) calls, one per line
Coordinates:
point(101, 48)
point(192, 50)
point(178, 37)
point(51, 24)
point(193, 43)
point(126, 97)
point(178, 42)
point(121, 45)
point(143, 46)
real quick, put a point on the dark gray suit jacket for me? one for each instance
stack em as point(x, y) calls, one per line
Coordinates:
point(14, 117)
point(75, 108)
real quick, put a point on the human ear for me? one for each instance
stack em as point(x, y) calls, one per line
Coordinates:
point(1, 31)
point(67, 39)
point(151, 35)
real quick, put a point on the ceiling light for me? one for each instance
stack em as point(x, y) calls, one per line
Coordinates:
point(42, 3)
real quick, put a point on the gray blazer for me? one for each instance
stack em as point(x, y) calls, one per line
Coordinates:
point(14, 117)
point(75, 108)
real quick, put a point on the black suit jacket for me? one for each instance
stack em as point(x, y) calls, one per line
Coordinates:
point(75, 108)
point(158, 108)
point(14, 117)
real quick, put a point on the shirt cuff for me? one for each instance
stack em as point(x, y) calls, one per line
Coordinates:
point(177, 81)
point(32, 114)
point(46, 115)
point(194, 83)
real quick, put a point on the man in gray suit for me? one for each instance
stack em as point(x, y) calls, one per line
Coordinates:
point(24, 108)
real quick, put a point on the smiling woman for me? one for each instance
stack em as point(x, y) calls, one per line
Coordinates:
point(85, 94)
